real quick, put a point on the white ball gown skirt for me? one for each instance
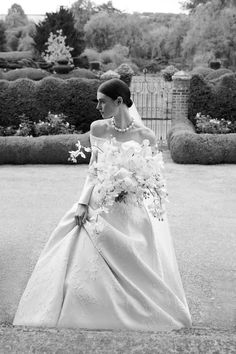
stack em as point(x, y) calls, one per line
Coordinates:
point(125, 277)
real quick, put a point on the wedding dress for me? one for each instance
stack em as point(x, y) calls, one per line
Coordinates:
point(125, 277)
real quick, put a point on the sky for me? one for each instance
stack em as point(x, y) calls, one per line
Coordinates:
point(39, 7)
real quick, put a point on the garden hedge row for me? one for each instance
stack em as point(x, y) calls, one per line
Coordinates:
point(38, 74)
point(188, 147)
point(74, 97)
point(215, 98)
point(53, 149)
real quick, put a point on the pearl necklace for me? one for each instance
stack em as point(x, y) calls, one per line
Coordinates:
point(120, 129)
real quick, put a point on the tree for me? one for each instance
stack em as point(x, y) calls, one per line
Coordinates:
point(61, 20)
point(212, 34)
point(2, 37)
point(25, 43)
point(16, 17)
point(193, 4)
point(176, 34)
point(101, 31)
point(82, 11)
point(108, 7)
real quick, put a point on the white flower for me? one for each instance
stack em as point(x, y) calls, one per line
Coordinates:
point(129, 173)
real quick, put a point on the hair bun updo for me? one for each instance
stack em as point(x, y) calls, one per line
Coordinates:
point(114, 88)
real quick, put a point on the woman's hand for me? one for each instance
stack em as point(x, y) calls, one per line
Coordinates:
point(81, 214)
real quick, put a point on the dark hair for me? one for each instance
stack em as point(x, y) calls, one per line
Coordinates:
point(115, 88)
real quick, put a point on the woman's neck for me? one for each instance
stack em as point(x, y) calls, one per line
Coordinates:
point(123, 119)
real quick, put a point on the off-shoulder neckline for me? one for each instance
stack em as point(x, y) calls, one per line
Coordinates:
point(121, 142)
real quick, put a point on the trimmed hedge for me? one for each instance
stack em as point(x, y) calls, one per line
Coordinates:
point(216, 74)
point(73, 97)
point(29, 73)
point(79, 72)
point(217, 99)
point(52, 149)
point(16, 55)
point(202, 70)
point(188, 147)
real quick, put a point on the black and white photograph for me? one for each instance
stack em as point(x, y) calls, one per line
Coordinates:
point(118, 176)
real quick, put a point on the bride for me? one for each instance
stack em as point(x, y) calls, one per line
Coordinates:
point(126, 276)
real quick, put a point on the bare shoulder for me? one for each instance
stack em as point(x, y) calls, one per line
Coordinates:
point(98, 127)
point(148, 134)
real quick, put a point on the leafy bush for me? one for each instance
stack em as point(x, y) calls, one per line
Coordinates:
point(53, 124)
point(81, 61)
point(57, 48)
point(225, 98)
point(202, 70)
point(110, 74)
point(168, 72)
point(52, 149)
point(216, 99)
point(110, 66)
point(91, 54)
point(60, 20)
point(188, 147)
point(201, 97)
point(29, 73)
point(216, 74)
point(125, 72)
point(207, 124)
point(73, 97)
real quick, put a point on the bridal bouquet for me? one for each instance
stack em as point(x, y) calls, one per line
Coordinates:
point(127, 173)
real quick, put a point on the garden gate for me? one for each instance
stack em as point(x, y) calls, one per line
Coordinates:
point(153, 99)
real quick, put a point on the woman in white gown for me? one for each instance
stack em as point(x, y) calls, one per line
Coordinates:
point(126, 276)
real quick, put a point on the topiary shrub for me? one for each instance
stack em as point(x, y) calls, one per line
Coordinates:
point(216, 74)
point(188, 147)
point(201, 97)
point(73, 97)
point(52, 149)
point(215, 64)
point(29, 73)
point(80, 105)
point(95, 65)
point(16, 98)
point(81, 61)
point(201, 70)
point(225, 98)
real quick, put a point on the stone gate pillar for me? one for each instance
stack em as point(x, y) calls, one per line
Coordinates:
point(180, 95)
